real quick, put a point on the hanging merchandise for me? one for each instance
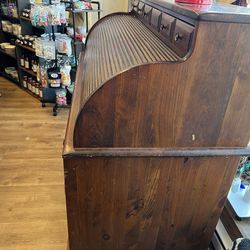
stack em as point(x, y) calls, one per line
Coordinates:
point(63, 44)
point(47, 15)
point(42, 68)
point(65, 75)
point(54, 77)
point(61, 97)
point(45, 49)
point(44, 1)
point(82, 5)
point(42, 77)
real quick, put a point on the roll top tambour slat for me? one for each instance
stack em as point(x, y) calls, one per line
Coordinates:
point(113, 47)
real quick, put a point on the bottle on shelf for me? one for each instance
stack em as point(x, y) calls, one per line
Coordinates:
point(34, 64)
point(26, 62)
point(29, 83)
point(33, 84)
point(40, 91)
point(22, 58)
point(37, 89)
point(25, 79)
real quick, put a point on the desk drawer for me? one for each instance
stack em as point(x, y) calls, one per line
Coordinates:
point(147, 13)
point(166, 26)
point(140, 8)
point(182, 36)
point(155, 19)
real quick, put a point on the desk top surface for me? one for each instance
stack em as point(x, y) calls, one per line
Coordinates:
point(218, 12)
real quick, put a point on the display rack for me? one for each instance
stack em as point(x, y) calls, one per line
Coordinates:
point(13, 60)
point(71, 8)
point(8, 59)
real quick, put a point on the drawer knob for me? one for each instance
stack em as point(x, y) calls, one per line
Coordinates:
point(163, 27)
point(177, 37)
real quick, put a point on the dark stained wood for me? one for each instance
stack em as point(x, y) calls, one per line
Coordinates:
point(235, 228)
point(157, 152)
point(229, 223)
point(119, 203)
point(196, 97)
point(156, 128)
point(216, 12)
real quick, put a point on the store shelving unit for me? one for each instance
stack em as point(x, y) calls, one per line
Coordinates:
point(28, 29)
point(78, 45)
point(26, 48)
point(7, 54)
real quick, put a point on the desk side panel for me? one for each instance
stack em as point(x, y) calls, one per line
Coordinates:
point(202, 102)
point(145, 203)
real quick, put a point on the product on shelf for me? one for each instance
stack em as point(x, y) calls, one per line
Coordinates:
point(3, 45)
point(45, 1)
point(9, 27)
point(63, 44)
point(29, 62)
point(12, 10)
point(61, 97)
point(45, 48)
point(26, 13)
point(10, 49)
point(65, 75)
point(32, 85)
point(22, 58)
point(12, 72)
point(54, 77)
point(82, 5)
point(26, 62)
point(46, 15)
point(29, 81)
point(40, 91)
point(16, 29)
point(25, 80)
point(9, 9)
point(34, 64)
point(27, 40)
point(5, 25)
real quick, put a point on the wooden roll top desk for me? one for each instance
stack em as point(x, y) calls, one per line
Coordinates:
point(159, 118)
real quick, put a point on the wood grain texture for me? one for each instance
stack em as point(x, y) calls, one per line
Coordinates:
point(32, 201)
point(216, 12)
point(166, 198)
point(153, 203)
point(110, 55)
point(184, 99)
point(235, 228)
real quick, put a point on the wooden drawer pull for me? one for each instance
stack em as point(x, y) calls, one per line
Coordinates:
point(163, 27)
point(177, 37)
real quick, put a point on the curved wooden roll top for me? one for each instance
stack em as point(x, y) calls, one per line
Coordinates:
point(159, 117)
point(139, 85)
point(119, 43)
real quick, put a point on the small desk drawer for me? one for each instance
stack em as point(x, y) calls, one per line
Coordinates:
point(155, 19)
point(147, 13)
point(182, 36)
point(140, 8)
point(167, 24)
point(135, 4)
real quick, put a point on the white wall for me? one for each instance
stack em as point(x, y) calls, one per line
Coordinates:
point(110, 6)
